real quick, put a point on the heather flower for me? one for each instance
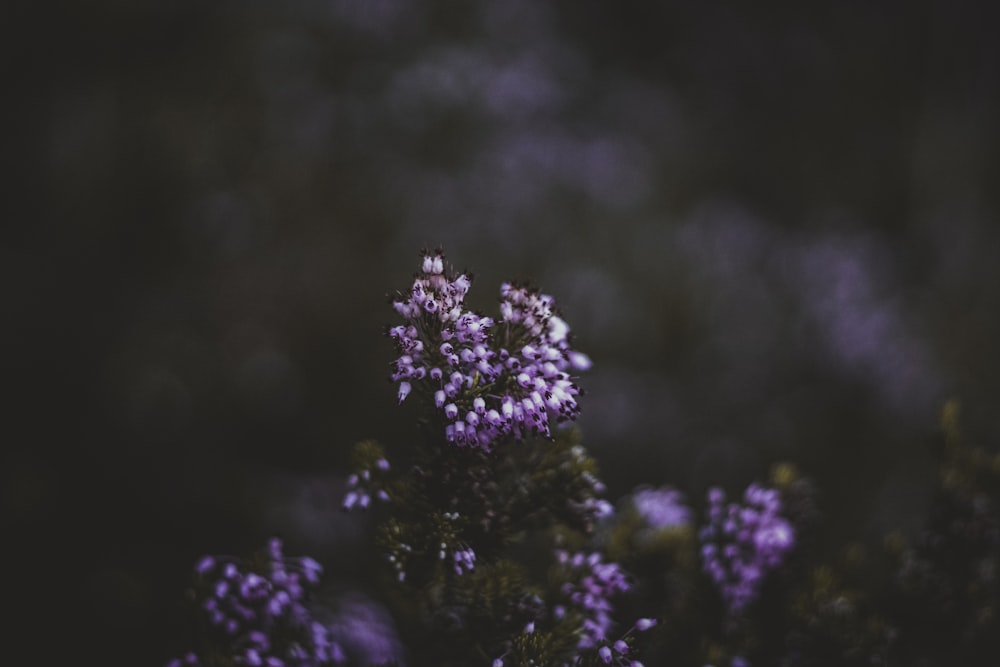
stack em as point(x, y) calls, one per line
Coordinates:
point(360, 489)
point(366, 631)
point(458, 555)
point(258, 613)
point(586, 502)
point(620, 653)
point(644, 624)
point(369, 482)
point(662, 508)
point(590, 586)
point(489, 379)
point(742, 543)
point(464, 560)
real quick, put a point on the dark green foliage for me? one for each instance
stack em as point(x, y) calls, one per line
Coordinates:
point(832, 622)
point(512, 507)
point(541, 649)
point(947, 584)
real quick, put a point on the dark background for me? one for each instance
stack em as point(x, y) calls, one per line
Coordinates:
point(771, 225)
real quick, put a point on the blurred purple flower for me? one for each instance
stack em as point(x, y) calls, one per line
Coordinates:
point(366, 632)
point(742, 543)
point(258, 608)
point(590, 586)
point(662, 508)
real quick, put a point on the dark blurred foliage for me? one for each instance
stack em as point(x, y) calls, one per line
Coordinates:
point(769, 224)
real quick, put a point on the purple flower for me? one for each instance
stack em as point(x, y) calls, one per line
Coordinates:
point(189, 660)
point(365, 631)
point(742, 543)
point(590, 586)
point(260, 607)
point(662, 508)
point(492, 379)
point(465, 560)
point(366, 484)
point(644, 624)
point(618, 653)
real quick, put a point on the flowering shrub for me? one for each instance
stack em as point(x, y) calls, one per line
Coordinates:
point(499, 549)
point(494, 483)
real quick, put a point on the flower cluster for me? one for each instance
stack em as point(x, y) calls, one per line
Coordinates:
point(490, 379)
point(452, 549)
point(662, 508)
point(586, 502)
point(589, 588)
point(744, 542)
point(361, 490)
point(618, 655)
point(621, 653)
point(258, 609)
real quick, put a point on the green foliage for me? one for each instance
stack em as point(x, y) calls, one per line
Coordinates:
point(511, 507)
point(832, 621)
point(538, 649)
point(947, 593)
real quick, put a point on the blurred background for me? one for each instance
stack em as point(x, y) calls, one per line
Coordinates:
point(771, 226)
